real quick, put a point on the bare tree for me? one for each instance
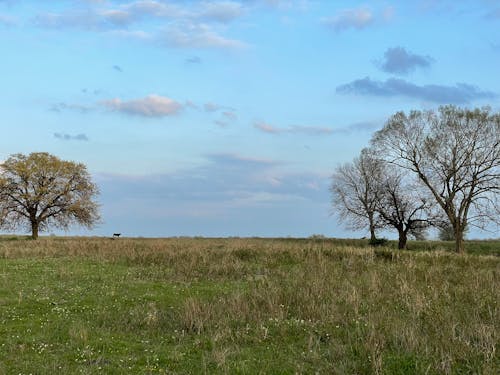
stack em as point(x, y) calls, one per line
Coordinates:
point(354, 192)
point(402, 206)
point(40, 190)
point(456, 155)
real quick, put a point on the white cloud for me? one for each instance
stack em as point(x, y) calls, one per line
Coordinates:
point(150, 106)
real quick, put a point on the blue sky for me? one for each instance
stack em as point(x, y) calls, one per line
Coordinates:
point(227, 118)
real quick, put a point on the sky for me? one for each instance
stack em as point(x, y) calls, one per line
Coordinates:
point(227, 118)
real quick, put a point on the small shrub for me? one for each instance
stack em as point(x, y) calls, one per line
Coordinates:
point(317, 237)
point(379, 242)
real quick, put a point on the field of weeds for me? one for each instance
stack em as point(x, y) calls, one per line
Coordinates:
point(246, 306)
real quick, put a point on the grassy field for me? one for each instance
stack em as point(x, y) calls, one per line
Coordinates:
point(247, 306)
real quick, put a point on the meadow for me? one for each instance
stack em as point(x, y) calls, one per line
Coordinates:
point(247, 306)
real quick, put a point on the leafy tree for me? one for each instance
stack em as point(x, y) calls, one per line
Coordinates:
point(456, 155)
point(355, 191)
point(40, 190)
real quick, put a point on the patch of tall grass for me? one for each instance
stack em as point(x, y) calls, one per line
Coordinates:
point(249, 306)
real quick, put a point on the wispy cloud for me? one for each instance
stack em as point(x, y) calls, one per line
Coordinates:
point(197, 35)
point(220, 11)
point(494, 14)
point(7, 20)
point(461, 93)
point(368, 126)
point(489, 8)
point(193, 60)
point(90, 91)
point(399, 61)
point(198, 24)
point(136, 35)
point(237, 160)
point(211, 107)
point(191, 104)
point(285, 4)
point(103, 17)
point(68, 137)
point(150, 106)
point(267, 128)
point(228, 117)
point(221, 123)
point(62, 106)
point(296, 129)
point(79, 19)
point(316, 130)
point(143, 8)
point(357, 18)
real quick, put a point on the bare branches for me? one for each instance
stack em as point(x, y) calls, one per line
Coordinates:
point(370, 192)
point(456, 155)
point(354, 192)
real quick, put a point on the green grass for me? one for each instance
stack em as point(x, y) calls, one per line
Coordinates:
point(246, 306)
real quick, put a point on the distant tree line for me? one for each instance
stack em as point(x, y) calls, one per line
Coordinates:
point(424, 169)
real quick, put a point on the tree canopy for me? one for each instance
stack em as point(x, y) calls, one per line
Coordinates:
point(39, 191)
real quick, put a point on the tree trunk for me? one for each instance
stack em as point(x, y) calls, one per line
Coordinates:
point(459, 240)
point(373, 237)
point(34, 229)
point(402, 239)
